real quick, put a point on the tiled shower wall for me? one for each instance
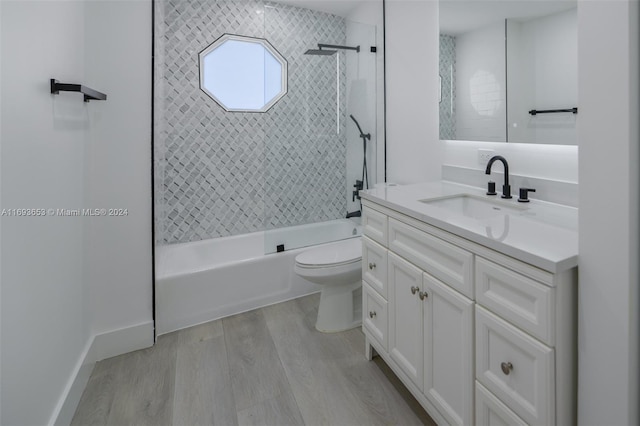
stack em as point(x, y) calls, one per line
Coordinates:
point(447, 87)
point(221, 173)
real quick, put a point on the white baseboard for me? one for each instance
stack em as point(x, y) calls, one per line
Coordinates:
point(99, 347)
point(66, 407)
point(121, 341)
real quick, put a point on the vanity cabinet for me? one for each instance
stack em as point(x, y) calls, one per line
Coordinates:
point(478, 337)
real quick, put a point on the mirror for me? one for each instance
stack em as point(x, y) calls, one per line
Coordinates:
point(508, 71)
point(243, 73)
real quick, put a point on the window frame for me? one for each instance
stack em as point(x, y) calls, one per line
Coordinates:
point(256, 40)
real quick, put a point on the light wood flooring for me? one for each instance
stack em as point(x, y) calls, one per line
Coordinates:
point(265, 367)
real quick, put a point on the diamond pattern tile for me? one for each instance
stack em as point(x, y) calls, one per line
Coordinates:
point(224, 173)
point(448, 103)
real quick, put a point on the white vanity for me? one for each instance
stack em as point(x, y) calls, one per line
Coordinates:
point(471, 300)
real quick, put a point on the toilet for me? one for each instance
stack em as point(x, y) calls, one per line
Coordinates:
point(338, 268)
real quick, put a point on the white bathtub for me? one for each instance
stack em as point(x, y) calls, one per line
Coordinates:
point(206, 280)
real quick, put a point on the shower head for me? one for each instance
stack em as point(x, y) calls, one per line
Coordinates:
point(320, 52)
point(332, 49)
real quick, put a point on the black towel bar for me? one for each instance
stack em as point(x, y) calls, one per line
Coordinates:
point(89, 94)
point(547, 111)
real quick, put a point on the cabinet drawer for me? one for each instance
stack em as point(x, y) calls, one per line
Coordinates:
point(450, 264)
point(374, 314)
point(516, 298)
point(374, 225)
point(516, 368)
point(374, 265)
point(491, 411)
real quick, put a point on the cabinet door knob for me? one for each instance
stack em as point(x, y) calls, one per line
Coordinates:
point(372, 265)
point(414, 289)
point(372, 314)
point(423, 295)
point(507, 367)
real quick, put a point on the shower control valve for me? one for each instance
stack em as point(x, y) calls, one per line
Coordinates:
point(358, 186)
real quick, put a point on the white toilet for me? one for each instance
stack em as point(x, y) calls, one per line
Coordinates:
point(338, 268)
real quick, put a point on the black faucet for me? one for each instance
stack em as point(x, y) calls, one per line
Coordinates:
point(506, 188)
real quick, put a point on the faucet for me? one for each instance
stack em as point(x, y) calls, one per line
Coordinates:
point(506, 188)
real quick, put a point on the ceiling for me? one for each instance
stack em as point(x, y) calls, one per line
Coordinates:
point(334, 7)
point(460, 16)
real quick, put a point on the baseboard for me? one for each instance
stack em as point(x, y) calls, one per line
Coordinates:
point(99, 347)
point(121, 341)
point(66, 407)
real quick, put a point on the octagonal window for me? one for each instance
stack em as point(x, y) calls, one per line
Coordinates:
point(243, 73)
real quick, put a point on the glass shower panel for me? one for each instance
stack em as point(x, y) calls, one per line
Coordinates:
point(208, 161)
point(313, 150)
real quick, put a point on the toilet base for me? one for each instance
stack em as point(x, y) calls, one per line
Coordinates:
point(340, 307)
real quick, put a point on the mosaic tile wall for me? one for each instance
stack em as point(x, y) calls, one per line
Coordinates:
point(448, 102)
point(224, 173)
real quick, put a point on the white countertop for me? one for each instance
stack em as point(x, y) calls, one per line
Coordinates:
point(544, 234)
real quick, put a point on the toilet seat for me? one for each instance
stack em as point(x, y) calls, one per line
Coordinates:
point(340, 253)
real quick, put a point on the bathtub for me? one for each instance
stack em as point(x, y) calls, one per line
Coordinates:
point(210, 279)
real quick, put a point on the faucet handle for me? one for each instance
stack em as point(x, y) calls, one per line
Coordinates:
point(524, 195)
point(491, 188)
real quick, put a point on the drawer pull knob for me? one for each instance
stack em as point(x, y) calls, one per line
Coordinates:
point(414, 289)
point(372, 314)
point(372, 266)
point(423, 295)
point(506, 367)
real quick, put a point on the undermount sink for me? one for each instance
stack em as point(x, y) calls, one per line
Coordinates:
point(474, 206)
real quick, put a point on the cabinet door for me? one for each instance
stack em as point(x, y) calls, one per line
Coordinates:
point(405, 317)
point(448, 351)
point(374, 265)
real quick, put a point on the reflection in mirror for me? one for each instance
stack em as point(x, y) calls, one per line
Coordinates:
point(501, 59)
point(542, 74)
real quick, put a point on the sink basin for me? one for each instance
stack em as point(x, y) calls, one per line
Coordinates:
point(473, 206)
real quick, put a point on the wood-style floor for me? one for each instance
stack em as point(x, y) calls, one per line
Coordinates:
point(265, 367)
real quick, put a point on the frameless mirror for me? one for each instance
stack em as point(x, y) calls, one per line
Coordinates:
point(508, 71)
point(243, 73)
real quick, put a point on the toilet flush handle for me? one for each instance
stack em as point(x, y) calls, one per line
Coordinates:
point(372, 265)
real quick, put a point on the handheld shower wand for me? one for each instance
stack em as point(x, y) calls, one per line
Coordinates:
point(362, 135)
point(364, 183)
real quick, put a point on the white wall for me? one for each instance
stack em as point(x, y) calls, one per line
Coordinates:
point(481, 95)
point(1, 206)
point(118, 165)
point(414, 153)
point(74, 289)
point(608, 265)
point(44, 329)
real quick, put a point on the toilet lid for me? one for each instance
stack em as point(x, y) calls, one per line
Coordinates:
point(339, 253)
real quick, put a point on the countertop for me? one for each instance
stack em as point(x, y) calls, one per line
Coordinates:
point(542, 234)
